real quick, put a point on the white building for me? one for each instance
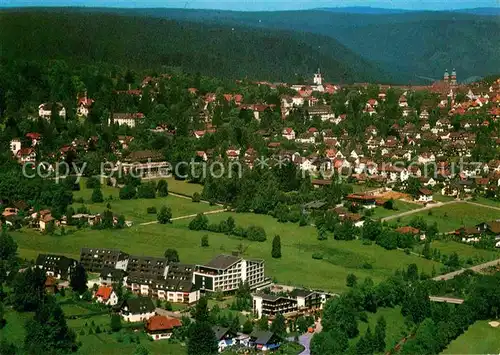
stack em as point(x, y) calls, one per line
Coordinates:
point(15, 146)
point(137, 309)
point(106, 295)
point(129, 119)
point(45, 110)
point(227, 272)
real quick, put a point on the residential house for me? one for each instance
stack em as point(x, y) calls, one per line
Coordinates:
point(288, 133)
point(137, 309)
point(412, 231)
point(83, 106)
point(161, 327)
point(25, 155)
point(226, 272)
point(264, 340)
point(45, 110)
point(128, 119)
point(365, 200)
point(424, 195)
point(110, 275)
point(106, 295)
point(225, 337)
point(57, 266)
point(15, 146)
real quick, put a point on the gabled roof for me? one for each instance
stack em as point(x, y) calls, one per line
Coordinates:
point(139, 305)
point(162, 323)
point(104, 292)
point(262, 337)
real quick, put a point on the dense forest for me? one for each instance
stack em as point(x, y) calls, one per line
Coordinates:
point(145, 43)
point(406, 45)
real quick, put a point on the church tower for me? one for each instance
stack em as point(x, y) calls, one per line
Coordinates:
point(453, 77)
point(318, 80)
point(446, 76)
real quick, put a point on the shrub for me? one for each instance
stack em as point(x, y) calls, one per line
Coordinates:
point(317, 256)
point(196, 197)
point(257, 234)
point(127, 192)
point(146, 190)
point(92, 183)
point(204, 241)
point(367, 265)
point(200, 222)
point(151, 210)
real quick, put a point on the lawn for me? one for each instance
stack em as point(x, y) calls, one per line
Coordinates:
point(480, 338)
point(464, 250)
point(441, 198)
point(396, 328)
point(487, 202)
point(453, 216)
point(102, 343)
point(340, 258)
point(135, 210)
point(400, 207)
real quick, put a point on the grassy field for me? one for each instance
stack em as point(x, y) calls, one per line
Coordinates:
point(487, 202)
point(464, 251)
point(440, 198)
point(135, 210)
point(453, 216)
point(296, 267)
point(395, 330)
point(401, 206)
point(480, 338)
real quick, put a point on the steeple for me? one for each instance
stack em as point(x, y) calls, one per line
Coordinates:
point(446, 75)
point(318, 80)
point(453, 77)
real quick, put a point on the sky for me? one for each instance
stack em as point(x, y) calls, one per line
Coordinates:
point(261, 5)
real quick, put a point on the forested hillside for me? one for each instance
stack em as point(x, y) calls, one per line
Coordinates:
point(140, 42)
point(407, 45)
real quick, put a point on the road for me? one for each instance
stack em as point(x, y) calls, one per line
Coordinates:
point(183, 217)
point(476, 268)
point(446, 300)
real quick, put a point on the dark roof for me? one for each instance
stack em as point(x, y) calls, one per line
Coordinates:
point(116, 274)
point(299, 292)
point(105, 251)
point(262, 337)
point(220, 332)
point(222, 261)
point(55, 262)
point(139, 305)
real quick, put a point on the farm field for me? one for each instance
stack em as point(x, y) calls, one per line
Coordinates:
point(401, 206)
point(340, 258)
point(480, 338)
point(135, 210)
point(395, 330)
point(453, 216)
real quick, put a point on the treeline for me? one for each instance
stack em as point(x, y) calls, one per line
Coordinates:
point(229, 227)
point(142, 42)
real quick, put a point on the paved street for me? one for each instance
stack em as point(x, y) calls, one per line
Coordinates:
point(476, 268)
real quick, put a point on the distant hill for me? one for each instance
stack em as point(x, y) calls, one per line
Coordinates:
point(362, 10)
point(406, 45)
point(484, 11)
point(230, 51)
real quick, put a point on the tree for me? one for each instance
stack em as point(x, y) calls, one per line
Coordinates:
point(47, 332)
point(322, 233)
point(2, 318)
point(331, 342)
point(29, 290)
point(276, 251)
point(200, 312)
point(146, 190)
point(127, 192)
point(278, 325)
point(165, 215)
point(141, 350)
point(78, 279)
point(426, 252)
point(172, 255)
point(412, 272)
point(97, 196)
point(92, 183)
point(365, 343)
point(263, 323)
point(162, 188)
point(371, 229)
point(7, 348)
point(351, 280)
point(115, 323)
point(257, 234)
point(247, 327)
point(379, 336)
point(204, 241)
point(201, 339)
point(198, 223)
point(196, 197)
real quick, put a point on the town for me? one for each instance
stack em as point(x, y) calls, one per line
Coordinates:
point(157, 209)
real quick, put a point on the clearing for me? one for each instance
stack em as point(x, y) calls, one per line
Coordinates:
point(480, 338)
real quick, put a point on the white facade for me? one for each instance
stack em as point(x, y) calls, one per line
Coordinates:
point(45, 110)
point(15, 146)
point(138, 317)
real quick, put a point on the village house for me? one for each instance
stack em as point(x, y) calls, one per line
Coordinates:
point(83, 106)
point(128, 119)
point(25, 155)
point(263, 340)
point(106, 295)
point(137, 309)
point(96, 259)
point(288, 133)
point(161, 327)
point(45, 110)
point(424, 195)
point(225, 337)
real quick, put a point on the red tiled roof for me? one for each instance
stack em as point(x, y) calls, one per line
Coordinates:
point(408, 230)
point(162, 323)
point(104, 292)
